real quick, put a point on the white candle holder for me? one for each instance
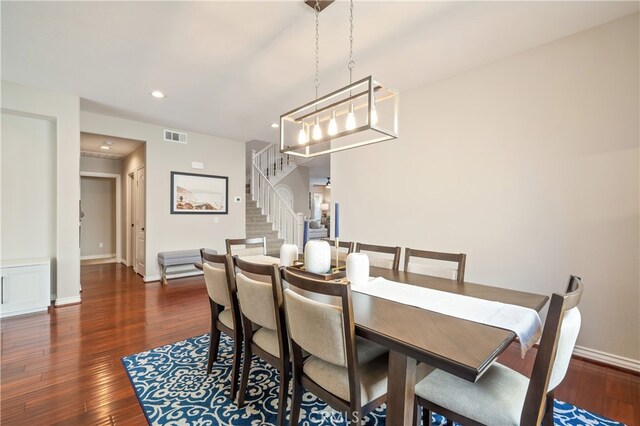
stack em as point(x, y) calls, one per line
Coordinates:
point(358, 268)
point(317, 257)
point(288, 254)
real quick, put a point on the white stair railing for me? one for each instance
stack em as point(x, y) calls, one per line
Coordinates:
point(271, 162)
point(288, 223)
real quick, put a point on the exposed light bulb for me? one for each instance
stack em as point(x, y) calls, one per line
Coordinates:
point(333, 125)
point(302, 136)
point(351, 119)
point(374, 114)
point(317, 131)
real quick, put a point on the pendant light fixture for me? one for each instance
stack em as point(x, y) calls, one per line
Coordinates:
point(361, 113)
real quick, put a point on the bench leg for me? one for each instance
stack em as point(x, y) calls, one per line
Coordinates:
point(164, 275)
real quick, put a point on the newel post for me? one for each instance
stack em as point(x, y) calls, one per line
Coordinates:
point(253, 174)
point(299, 232)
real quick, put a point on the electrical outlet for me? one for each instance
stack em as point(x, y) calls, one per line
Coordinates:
point(100, 245)
point(216, 220)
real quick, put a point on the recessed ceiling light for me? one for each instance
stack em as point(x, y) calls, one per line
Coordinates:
point(157, 94)
point(274, 125)
point(105, 147)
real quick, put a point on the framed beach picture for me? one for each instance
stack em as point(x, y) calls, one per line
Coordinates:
point(192, 193)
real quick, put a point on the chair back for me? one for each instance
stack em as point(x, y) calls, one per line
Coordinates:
point(436, 270)
point(346, 246)
point(554, 353)
point(249, 246)
point(385, 256)
point(260, 300)
point(324, 330)
point(216, 278)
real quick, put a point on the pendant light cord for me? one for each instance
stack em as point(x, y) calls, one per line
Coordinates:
point(351, 65)
point(317, 9)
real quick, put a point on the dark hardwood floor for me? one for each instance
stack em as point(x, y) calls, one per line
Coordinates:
point(64, 367)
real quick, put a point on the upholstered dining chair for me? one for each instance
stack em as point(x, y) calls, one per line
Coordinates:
point(225, 313)
point(261, 304)
point(430, 269)
point(503, 396)
point(384, 256)
point(249, 246)
point(344, 248)
point(347, 372)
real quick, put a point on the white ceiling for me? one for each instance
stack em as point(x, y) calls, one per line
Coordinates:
point(230, 68)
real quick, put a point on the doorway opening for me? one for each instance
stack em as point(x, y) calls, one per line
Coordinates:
point(99, 218)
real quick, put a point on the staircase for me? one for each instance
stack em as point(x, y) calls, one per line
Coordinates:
point(273, 165)
point(267, 213)
point(257, 226)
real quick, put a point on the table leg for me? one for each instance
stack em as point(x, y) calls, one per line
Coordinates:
point(401, 389)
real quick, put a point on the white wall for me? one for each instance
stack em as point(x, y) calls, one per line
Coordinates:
point(28, 147)
point(98, 233)
point(530, 166)
point(100, 165)
point(298, 183)
point(165, 231)
point(63, 110)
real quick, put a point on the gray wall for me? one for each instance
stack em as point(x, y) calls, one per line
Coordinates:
point(530, 166)
point(98, 197)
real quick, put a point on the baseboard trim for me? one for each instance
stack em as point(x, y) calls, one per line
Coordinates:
point(606, 358)
point(98, 256)
point(121, 260)
point(64, 301)
point(184, 274)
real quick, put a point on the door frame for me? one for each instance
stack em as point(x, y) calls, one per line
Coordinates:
point(129, 215)
point(118, 212)
point(136, 217)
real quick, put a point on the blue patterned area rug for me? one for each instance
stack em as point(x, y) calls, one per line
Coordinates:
point(173, 389)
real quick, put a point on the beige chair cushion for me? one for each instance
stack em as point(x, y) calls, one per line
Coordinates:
point(247, 251)
point(380, 262)
point(373, 365)
point(316, 327)
point(496, 398)
point(342, 254)
point(432, 270)
point(566, 342)
point(256, 301)
point(226, 318)
point(267, 340)
point(216, 281)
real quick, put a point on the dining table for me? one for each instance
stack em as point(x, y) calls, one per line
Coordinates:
point(412, 334)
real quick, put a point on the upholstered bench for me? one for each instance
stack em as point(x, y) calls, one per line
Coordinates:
point(178, 258)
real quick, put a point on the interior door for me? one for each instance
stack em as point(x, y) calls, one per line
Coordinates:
point(140, 221)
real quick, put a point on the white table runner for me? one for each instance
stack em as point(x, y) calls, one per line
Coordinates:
point(525, 322)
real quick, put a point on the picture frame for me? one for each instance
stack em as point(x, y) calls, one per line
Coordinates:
point(193, 193)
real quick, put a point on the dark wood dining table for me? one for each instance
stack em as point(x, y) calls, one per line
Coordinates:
point(460, 347)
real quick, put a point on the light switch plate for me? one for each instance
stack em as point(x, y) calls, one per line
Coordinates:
point(197, 165)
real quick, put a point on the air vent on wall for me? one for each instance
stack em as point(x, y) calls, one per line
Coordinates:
point(173, 136)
